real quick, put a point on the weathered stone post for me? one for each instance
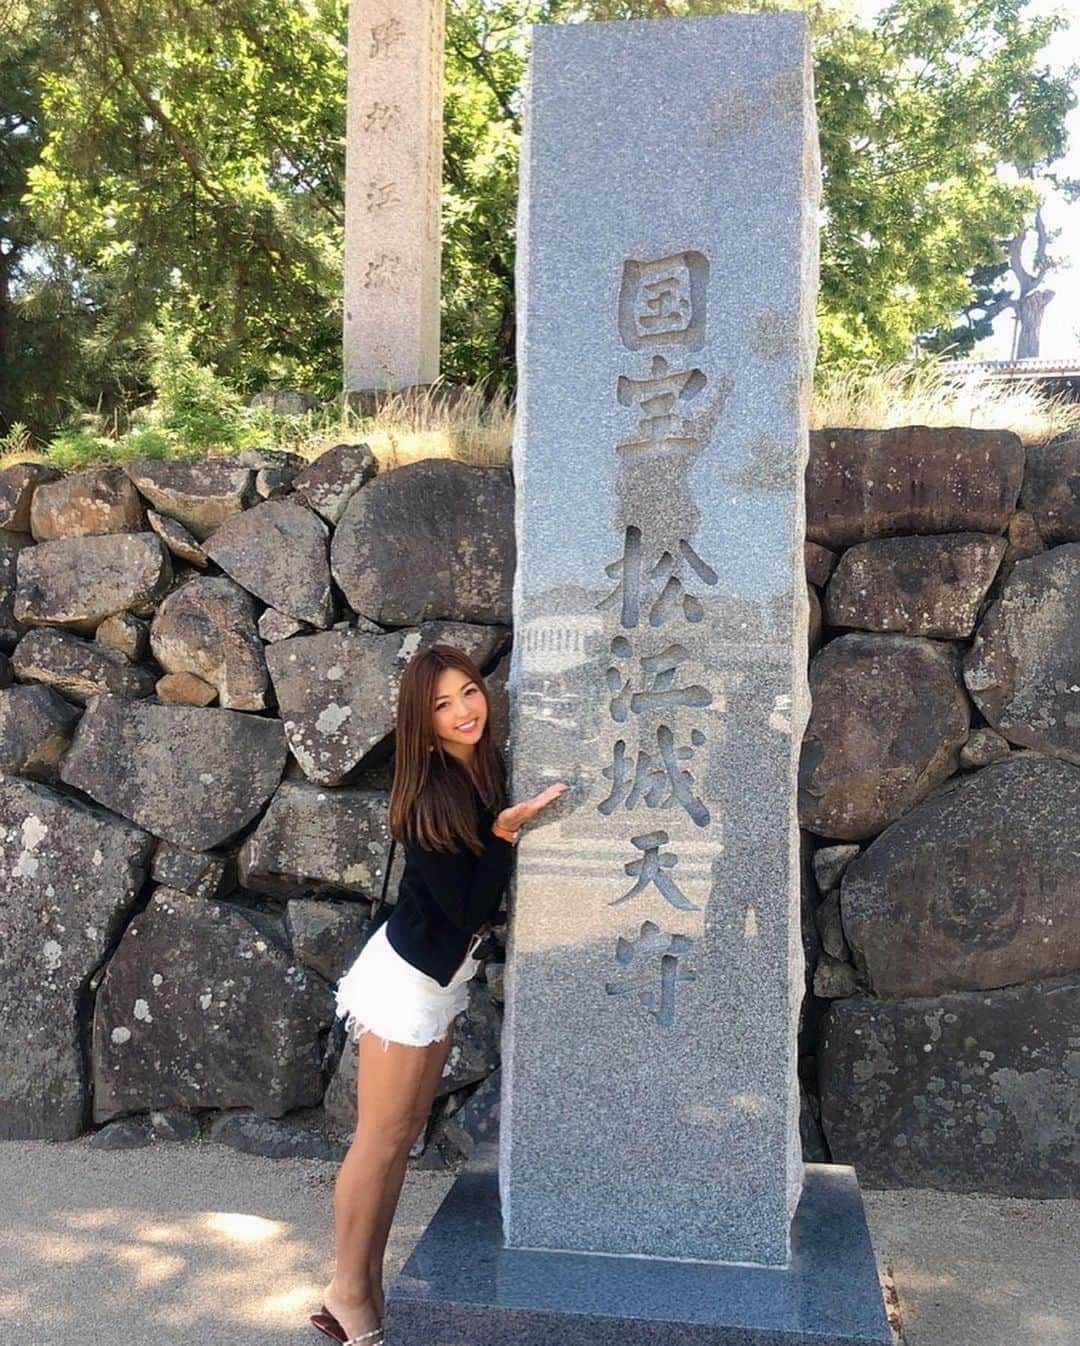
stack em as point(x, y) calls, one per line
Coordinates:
point(393, 180)
point(650, 1179)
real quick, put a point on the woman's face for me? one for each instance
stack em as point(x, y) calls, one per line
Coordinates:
point(460, 712)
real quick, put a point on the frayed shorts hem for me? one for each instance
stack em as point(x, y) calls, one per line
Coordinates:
point(355, 1030)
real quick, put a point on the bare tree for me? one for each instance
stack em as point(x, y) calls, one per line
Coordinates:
point(1030, 303)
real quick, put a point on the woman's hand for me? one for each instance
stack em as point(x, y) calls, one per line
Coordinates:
point(517, 815)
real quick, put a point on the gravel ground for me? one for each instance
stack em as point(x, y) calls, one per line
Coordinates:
point(173, 1244)
point(201, 1245)
point(980, 1270)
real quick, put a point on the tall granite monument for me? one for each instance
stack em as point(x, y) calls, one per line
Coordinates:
point(393, 181)
point(650, 1185)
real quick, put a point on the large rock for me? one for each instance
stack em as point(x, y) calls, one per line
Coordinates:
point(878, 483)
point(77, 582)
point(1051, 490)
point(36, 728)
point(78, 668)
point(101, 500)
point(207, 627)
point(200, 874)
point(1023, 669)
point(193, 776)
point(481, 643)
point(69, 878)
point(920, 586)
point(975, 888)
point(200, 1008)
point(125, 633)
point(476, 1123)
point(185, 689)
point(10, 546)
point(285, 401)
point(326, 936)
point(498, 691)
point(337, 695)
point(970, 1093)
point(271, 460)
point(274, 1139)
point(177, 538)
point(200, 495)
point(17, 486)
point(888, 721)
point(814, 621)
point(331, 481)
point(433, 539)
point(1024, 540)
point(274, 625)
point(278, 550)
point(337, 691)
point(317, 839)
point(819, 562)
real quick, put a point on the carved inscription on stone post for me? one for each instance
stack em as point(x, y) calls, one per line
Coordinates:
point(392, 193)
point(661, 317)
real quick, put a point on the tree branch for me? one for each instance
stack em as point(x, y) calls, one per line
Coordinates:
point(480, 67)
point(183, 148)
point(271, 246)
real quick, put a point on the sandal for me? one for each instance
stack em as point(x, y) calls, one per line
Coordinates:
point(325, 1321)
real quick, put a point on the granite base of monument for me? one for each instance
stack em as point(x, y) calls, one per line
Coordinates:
point(462, 1287)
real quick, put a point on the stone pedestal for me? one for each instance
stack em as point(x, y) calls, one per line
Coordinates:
point(463, 1287)
point(650, 1163)
point(393, 181)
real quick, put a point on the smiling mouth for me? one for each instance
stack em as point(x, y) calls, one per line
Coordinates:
point(468, 727)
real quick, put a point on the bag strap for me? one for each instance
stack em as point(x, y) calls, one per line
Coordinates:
point(376, 906)
point(386, 876)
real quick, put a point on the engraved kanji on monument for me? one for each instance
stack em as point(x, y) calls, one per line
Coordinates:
point(393, 182)
point(667, 261)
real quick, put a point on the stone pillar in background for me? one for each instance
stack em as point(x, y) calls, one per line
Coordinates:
point(393, 179)
point(668, 268)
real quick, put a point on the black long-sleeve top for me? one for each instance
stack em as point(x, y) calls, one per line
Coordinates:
point(444, 899)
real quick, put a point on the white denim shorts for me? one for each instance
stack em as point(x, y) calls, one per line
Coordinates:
point(382, 993)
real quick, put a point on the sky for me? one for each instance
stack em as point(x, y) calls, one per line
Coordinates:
point(1061, 322)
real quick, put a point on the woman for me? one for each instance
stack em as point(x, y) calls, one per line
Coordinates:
point(401, 996)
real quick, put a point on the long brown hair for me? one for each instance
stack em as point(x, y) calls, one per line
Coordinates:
point(431, 801)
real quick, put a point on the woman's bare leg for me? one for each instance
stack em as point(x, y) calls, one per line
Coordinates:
point(436, 1054)
point(388, 1085)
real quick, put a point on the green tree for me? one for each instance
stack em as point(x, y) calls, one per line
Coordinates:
point(40, 327)
point(187, 156)
point(918, 115)
point(194, 156)
point(917, 112)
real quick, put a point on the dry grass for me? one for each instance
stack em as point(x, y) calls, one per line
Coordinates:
point(471, 427)
point(928, 394)
point(463, 424)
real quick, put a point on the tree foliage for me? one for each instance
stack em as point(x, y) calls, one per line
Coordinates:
point(192, 157)
point(186, 157)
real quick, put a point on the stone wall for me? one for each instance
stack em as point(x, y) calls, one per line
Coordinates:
point(940, 793)
point(201, 672)
point(194, 737)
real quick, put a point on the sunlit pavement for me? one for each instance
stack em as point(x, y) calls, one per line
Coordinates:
point(200, 1245)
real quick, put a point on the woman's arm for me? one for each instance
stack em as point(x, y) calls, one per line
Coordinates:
point(466, 886)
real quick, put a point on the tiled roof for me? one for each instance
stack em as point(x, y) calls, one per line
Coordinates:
point(1041, 368)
